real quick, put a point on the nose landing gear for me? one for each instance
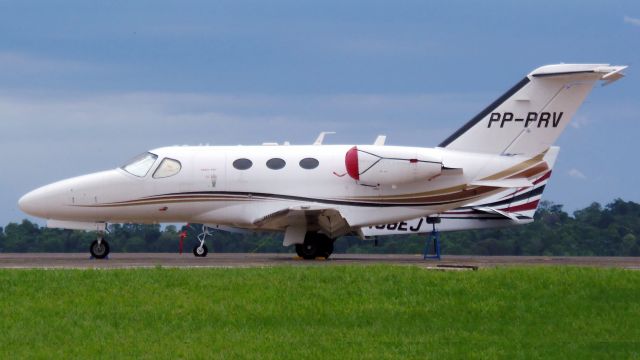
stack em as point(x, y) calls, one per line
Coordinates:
point(202, 250)
point(99, 248)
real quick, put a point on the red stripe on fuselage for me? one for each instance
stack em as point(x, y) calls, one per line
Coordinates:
point(528, 206)
point(543, 178)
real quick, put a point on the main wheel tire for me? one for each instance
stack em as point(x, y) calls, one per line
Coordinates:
point(315, 245)
point(99, 250)
point(200, 251)
point(309, 250)
point(327, 248)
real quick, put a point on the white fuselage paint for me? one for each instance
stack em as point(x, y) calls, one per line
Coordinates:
point(208, 189)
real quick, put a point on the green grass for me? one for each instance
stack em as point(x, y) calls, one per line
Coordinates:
point(313, 312)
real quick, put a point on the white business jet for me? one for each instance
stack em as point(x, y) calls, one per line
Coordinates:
point(489, 173)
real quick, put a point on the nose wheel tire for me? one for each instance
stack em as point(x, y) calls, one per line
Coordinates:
point(200, 251)
point(99, 249)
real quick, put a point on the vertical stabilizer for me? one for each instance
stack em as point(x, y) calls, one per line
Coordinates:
point(529, 117)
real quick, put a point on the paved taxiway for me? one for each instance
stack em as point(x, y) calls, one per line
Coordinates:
point(140, 260)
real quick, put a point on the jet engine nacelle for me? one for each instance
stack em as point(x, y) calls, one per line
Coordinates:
point(386, 165)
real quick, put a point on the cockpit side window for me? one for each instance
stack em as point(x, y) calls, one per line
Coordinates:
point(168, 167)
point(140, 165)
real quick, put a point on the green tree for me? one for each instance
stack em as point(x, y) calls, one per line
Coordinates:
point(595, 230)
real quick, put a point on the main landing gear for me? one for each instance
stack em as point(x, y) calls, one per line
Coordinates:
point(99, 248)
point(315, 245)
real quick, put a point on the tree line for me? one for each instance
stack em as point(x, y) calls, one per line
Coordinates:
point(596, 230)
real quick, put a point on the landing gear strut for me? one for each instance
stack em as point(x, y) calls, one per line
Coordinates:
point(99, 248)
point(315, 245)
point(202, 250)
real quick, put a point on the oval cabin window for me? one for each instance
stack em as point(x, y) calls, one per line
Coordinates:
point(309, 163)
point(276, 164)
point(242, 164)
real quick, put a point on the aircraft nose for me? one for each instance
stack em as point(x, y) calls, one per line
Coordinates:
point(33, 203)
point(57, 200)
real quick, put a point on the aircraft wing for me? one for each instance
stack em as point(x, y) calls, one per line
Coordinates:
point(298, 220)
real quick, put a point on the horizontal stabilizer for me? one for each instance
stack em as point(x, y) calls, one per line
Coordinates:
point(489, 210)
point(608, 73)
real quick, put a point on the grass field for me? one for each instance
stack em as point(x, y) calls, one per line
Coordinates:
point(320, 312)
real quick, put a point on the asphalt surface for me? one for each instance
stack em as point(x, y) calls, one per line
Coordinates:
point(187, 260)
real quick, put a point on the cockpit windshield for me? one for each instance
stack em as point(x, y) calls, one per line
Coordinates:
point(141, 164)
point(168, 167)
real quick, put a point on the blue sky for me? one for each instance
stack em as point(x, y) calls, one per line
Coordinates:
point(86, 85)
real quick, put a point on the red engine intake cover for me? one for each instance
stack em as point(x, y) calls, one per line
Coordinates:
point(351, 163)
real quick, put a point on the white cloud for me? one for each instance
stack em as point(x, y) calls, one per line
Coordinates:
point(580, 121)
point(577, 174)
point(382, 46)
point(248, 118)
point(632, 21)
point(27, 63)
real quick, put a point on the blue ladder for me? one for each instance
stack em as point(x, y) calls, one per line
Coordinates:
point(433, 238)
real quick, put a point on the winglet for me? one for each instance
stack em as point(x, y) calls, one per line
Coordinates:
point(320, 137)
point(380, 140)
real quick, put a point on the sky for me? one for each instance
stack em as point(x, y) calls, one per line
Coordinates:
point(86, 85)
